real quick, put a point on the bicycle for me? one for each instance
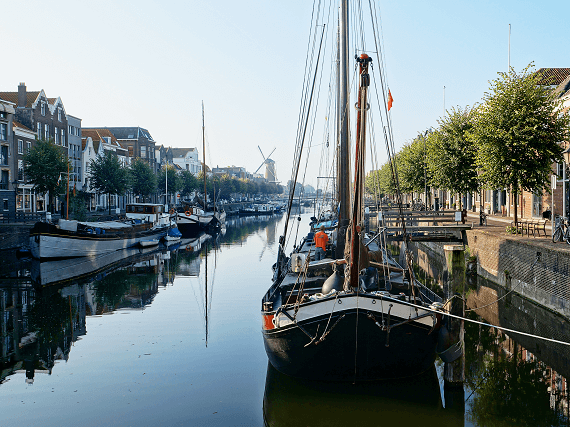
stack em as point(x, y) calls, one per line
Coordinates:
point(561, 230)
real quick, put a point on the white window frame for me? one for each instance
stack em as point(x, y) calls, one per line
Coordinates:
point(20, 146)
point(55, 135)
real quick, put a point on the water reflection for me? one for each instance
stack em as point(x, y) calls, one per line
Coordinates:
point(289, 401)
point(516, 379)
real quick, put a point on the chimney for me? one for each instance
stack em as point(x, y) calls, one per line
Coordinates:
point(22, 97)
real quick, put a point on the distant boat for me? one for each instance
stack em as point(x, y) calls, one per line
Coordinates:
point(258, 209)
point(70, 239)
point(172, 236)
point(147, 243)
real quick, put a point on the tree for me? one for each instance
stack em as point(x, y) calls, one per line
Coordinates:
point(227, 186)
point(108, 175)
point(188, 183)
point(44, 164)
point(142, 178)
point(411, 166)
point(517, 132)
point(451, 154)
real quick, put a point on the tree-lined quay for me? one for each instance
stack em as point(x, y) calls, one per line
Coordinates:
point(46, 164)
point(509, 144)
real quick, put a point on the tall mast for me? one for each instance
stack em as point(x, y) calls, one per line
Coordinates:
point(204, 159)
point(359, 164)
point(343, 171)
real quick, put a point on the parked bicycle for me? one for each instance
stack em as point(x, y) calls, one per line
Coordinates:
point(561, 230)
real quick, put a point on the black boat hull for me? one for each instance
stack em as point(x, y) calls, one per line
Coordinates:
point(355, 349)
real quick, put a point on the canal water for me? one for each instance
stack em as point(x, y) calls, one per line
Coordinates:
point(173, 337)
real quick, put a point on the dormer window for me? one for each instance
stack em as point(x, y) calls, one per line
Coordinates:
point(43, 108)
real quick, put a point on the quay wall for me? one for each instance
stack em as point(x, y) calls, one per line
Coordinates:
point(14, 236)
point(532, 269)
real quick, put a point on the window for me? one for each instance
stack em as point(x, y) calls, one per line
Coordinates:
point(20, 146)
point(56, 136)
point(59, 114)
point(70, 129)
point(63, 137)
point(46, 131)
point(143, 151)
point(5, 204)
point(20, 170)
point(3, 131)
point(5, 180)
point(39, 131)
point(43, 108)
point(28, 146)
point(3, 155)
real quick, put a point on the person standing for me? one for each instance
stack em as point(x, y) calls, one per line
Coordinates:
point(321, 240)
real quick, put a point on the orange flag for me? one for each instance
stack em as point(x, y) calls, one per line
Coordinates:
point(390, 100)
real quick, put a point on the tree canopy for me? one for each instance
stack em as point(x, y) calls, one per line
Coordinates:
point(142, 178)
point(517, 132)
point(108, 174)
point(451, 154)
point(44, 165)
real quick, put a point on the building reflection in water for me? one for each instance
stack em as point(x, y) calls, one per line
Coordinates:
point(516, 379)
point(39, 323)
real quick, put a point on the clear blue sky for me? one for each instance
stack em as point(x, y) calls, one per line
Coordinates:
point(150, 64)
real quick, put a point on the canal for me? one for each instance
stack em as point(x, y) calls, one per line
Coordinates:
point(173, 337)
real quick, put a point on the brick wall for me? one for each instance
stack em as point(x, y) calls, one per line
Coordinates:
point(538, 272)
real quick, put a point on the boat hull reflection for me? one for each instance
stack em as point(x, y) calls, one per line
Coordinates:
point(289, 401)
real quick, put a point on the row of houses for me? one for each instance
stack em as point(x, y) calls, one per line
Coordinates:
point(27, 116)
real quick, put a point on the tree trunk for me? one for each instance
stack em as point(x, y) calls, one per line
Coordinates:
point(516, 206)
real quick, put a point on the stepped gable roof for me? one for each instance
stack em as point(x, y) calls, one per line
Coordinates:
point(552, 76)
point(181, 152)
point(131, 133)
point(13, 97)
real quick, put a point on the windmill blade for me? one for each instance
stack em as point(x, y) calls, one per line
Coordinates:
point(264, 158)
point(271, 153)
point(259, 167)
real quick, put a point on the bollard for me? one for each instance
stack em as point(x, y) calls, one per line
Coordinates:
point(454, 371)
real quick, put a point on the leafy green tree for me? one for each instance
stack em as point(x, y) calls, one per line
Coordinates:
point(44, 164)
point(411, 166)
point(517, 132)
point(188, 183)
point(142, 178)
point(108, 175)
point(227, 186)
point(451, 154)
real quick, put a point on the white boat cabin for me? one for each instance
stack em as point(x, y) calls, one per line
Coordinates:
point(149, 212)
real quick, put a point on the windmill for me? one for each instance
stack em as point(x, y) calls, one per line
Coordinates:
point(270, 173)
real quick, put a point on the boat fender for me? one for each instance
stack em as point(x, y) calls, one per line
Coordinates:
point(187, 213)
point(334, 282)
point(172, 211)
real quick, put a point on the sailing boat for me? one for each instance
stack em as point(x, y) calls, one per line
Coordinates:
point(193, 219)
point(359, 315)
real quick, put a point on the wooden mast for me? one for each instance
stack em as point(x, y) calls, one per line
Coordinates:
point(359, 164)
